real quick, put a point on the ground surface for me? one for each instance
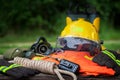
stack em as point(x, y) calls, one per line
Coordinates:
point(42, 76)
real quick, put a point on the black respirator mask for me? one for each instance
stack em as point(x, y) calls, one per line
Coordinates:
point(41, 46)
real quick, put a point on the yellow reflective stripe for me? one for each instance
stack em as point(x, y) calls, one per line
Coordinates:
point(87, 57)
point(77, 29)
point(109, 54)
point(14, 65)
point(118, 62)
point(112, 56)
point(10, 67)
point(2, 68)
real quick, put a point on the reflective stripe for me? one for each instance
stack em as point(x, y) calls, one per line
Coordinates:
point(14, 65)
point(89, 58)
point(111, 55)
point(118, 62)
point(10, 67)
point(2, 68)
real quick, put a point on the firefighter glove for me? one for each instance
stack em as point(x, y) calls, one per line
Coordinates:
point(108, 58)
point(15, 70)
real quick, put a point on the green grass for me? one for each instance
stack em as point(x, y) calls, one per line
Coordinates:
point(108, 32)
point(27, 36)
point(27, 45)
point(25, 39)
point(113, 45)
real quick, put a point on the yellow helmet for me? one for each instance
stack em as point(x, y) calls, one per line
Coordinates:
point(81, 28)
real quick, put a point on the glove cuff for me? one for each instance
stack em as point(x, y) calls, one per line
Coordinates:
point(112, 56)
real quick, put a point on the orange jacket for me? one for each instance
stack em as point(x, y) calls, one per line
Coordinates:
point(84, 60)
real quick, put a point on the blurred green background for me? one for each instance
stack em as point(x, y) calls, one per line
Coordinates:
point(23, 21)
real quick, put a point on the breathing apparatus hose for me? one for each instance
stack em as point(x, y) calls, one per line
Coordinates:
point(43, 66)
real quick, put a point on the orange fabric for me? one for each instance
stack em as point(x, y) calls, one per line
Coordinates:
point(87, 67)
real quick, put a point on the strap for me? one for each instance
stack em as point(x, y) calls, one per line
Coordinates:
point(111, 55)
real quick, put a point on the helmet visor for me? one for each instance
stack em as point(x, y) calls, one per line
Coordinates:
point(73, 42)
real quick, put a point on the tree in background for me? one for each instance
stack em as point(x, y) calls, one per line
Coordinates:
point(16, 16)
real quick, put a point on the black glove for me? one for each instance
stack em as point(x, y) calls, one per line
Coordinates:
point(110, 59)
point(15, 70)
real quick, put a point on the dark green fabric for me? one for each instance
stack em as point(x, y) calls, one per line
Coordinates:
point(13, 52)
